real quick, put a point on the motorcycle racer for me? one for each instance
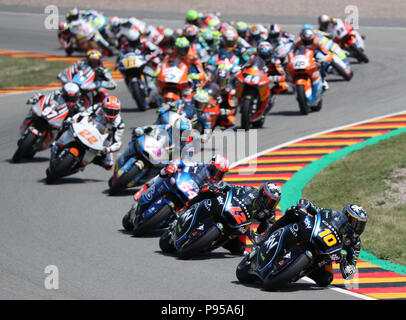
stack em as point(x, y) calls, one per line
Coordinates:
point(68, 95)
point(103, 78)
point(214, 171)
point(108, 120)
point(356, 220)
point(308, 40)
point(259, 204)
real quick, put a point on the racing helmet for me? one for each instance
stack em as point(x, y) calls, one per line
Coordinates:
point(230, 37)
point(114, 24)
point(307, 36)
point(324, 20)
point(70, 93)
point(218, 167)
point(63, 26)
point(241, 28)
point(265, 50)
point(93, 58)
point(111, 106)
point(268, 198)
point(356, 217)
point(190, 31)
point(201, 99)
point(208, 36)
point(72, 15)
point(275, 31)
point(192, 16)
point(182, 46)
point(133, 38)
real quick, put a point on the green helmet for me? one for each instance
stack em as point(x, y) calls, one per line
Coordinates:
point(201, 99)
point(182, 46)
point(192, 16)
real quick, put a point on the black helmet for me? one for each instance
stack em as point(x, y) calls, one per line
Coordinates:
point(268, 198)
point(357, 217)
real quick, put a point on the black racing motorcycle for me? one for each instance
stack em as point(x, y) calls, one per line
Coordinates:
point(206, 226)
point(294, 251)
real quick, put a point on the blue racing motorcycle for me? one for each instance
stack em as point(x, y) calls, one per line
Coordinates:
point(155, 208)
point(138, 164)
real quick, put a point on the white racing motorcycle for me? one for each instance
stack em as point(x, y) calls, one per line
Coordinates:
point(82, 142)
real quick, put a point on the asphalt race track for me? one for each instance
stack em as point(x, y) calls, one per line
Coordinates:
point(76, 226)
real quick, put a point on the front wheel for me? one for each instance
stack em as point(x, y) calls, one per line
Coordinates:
point(359, 54)
point(122, 182)
point(242, 272)
point(25, 147)
point(198, 246)
point(246, 113)
point(166, 242)
point(151, 222)
point(61, 168)
point(287, 275)
point(138, 95)
point(302, 100)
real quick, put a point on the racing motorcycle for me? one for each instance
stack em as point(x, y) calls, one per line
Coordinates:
point(253, 93)
point(138, 164)
point(87, 37)
point(46, 120)
point(139, 77)
point(85, 79)
point(175, 192)
point(202, 228)
point(83, 141)
point(172, 79)
point(294, 251)
point(353, 42)
point(300, 67)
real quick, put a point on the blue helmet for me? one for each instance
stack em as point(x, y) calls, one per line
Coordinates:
point(265, 50)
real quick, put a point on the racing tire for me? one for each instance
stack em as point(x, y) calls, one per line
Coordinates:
point(123, 180)
point(198, 246)
point(302, 100)
point(61, 169)
point(148, 225)
point(287, 275)
point(138, 95)
point(359, 54)
point(126, 222)
point(318, 106)
point(342, 72)
point(246, 113)
point(166, 243)
point(242, 272)
point(25, 148)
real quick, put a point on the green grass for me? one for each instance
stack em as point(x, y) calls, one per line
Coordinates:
point(28, 71)
point(367, 177)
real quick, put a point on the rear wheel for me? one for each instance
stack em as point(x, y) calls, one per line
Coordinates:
point(287, 275)
point(198, 246)
point(25, 147)
point(302, 100)
point(150, 223)
point(122, 182)
point(138, 95)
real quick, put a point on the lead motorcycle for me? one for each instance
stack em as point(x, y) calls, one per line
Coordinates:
point(138, 164)
point(202, 228)
point(175, 192)
point(47, 118)
point(83, 142)
point(294, 251)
